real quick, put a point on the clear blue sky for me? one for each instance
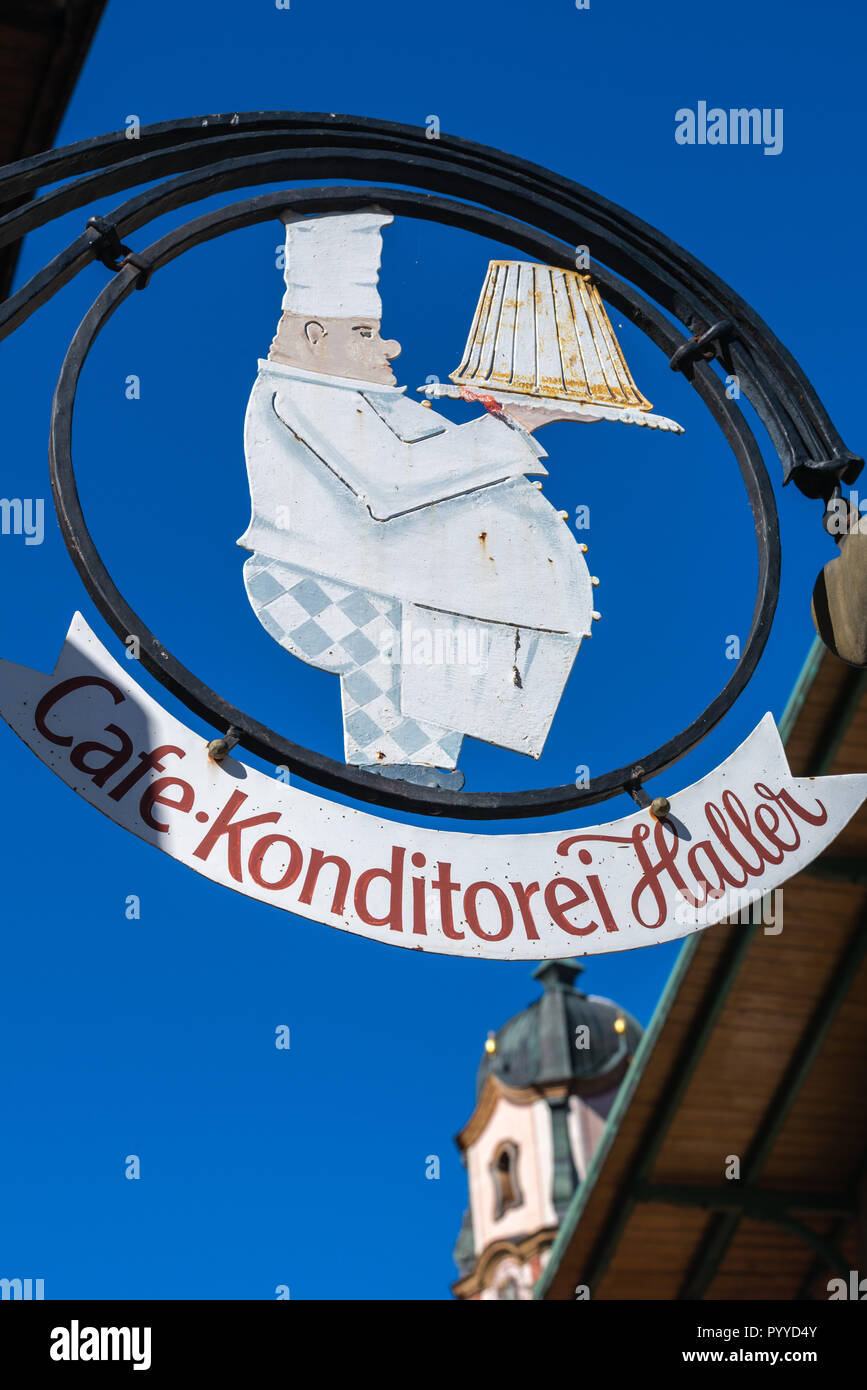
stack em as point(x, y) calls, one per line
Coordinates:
point(156, 1037)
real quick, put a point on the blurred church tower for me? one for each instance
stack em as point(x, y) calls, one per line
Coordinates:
point(545, 1085)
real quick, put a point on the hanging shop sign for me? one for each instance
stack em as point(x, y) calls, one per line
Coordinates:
point(445, 593)
point(724, 842)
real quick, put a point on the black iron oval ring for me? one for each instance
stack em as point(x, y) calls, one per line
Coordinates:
point(264, 742)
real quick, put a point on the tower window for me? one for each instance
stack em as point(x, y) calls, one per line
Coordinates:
point(504, 1172)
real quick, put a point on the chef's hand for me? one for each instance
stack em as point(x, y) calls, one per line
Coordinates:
point(532, 417)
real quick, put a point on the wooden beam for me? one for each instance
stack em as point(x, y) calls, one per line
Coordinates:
point(758, 1202)
point(717, 1242)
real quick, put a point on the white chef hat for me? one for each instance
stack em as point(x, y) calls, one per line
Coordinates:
point(332, 263)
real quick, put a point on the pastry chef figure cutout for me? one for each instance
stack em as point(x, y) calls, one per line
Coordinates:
point(415, 558)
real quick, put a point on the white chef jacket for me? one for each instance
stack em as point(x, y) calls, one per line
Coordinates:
point(351, 480)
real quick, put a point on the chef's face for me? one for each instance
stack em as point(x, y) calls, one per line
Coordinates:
point(348, 347)
point(354, 347)
point(351, 347)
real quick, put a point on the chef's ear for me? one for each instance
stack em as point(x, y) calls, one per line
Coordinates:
point(314, 332)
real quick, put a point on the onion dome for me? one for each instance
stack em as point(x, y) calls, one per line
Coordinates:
point(547, 1041)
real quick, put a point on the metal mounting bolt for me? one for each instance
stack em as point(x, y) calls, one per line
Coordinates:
point(660, 807)
point(219, 748)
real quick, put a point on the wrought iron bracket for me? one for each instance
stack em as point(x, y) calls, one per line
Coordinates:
point(704, 345)
point(107, 245)
point(635, 789)
point(145, 270)
point(641, 272)
point(266, 743)
point(110, 250)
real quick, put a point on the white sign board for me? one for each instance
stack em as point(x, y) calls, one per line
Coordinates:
point(729, 839)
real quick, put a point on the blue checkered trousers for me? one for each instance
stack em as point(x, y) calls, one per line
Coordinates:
point(357, 635)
